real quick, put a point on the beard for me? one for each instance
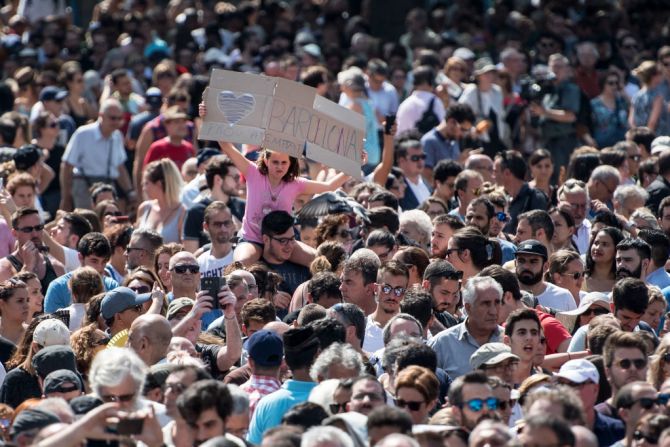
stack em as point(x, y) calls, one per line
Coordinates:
point(625, 273)
point(529, 278)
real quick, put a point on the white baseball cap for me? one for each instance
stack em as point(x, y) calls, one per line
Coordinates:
point(579, 371)
point(51, 332)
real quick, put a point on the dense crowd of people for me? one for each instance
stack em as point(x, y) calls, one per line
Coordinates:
point(499, 276)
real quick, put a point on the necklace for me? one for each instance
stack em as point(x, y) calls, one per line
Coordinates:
point(273, 194)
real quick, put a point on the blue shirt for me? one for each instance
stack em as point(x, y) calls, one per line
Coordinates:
point(659, 278)
point(608, 430)
point(508, 250)
point(272, 407)
point(437, 147)
point(59, 296)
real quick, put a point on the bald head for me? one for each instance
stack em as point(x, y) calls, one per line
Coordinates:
point(249, 279)
point(149, 337)
point(277, 326)
point(183, 257)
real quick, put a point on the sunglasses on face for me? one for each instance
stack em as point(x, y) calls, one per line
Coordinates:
point(410, 405)
point(183, 268)
point(505, 404)
point(575, 275)
point(26, 230)
point(627, 363)
point(397, 291)
point(597, 311)
point(477, 405)
point(646, 403)
point(501, 216)
point(417, 157)
point(663, 398)
point(640, 435)
point(338, 408)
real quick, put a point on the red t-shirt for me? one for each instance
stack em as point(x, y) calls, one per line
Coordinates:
point(164, 149)
point(554, 332)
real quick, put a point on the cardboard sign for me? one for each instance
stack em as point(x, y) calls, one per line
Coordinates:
point(283, 116)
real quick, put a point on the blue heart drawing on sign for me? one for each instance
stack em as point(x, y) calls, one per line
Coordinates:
point(235, 108)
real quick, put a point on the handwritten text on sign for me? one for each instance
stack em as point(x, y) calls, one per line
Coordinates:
point(284, 116)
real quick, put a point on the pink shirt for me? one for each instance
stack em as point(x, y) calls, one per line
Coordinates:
point(6, 239)
point(262, 199)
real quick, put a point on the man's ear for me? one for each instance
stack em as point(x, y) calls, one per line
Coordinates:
point(507, 340)
point(308, 296)
point(425, 285)
point(81, 258)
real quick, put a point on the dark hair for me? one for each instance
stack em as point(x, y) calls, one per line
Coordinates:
point(506, 278)
point(519, 315)
point(616, 237)
point(314, 76)
point(641, 247)
point(7, 131)
point(154, 239)
point(513, 160)
point(293, 168)
point(200, 373)
point(483, 251)
point(538, 155)
point(324, 284)
point(622, 339)
point(418, 354)
point(557, 425)
point(386, 197)
point(641, 135)
point(424, 75)
point(631, 294)
point(305, 337)
point(565, 214)
point(419, 304)
point(202, 396)
point(80, 226)
point(377, 67)
point(385, 416)
point(454, 222)
point(649, 167)
point(258, 309)
point(94, 244)
point(276, 222)
point(597, 337)
point(381, 237)
point(445, 169)
point(581, 166)
point(327, 228)
point(383, 216)
point(613, 157)
point(456, 388)
point(608, 218)
point(21, 213)
point(414, 256)
point(329, 331)
point(490, 209)
point(659, 243)
point(218, 165)
point(354, 316)
point(364, 265)
point(310, 312)
point(539, 219)
point(459, 112)
point(118, 74)
point(305, 415)
point(664, 163)
point(438, 270)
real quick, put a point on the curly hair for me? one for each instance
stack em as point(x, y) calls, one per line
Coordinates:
point(330, 256)
point(293, 169)
point(327, 228)
point(83, 342)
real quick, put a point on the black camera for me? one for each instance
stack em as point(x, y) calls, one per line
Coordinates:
point(533, 90)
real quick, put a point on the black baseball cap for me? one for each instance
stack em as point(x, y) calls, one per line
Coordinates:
point(532, 247)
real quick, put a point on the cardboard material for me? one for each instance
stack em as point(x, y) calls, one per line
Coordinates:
point(283, 116)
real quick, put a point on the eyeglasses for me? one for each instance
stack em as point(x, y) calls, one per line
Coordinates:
point(26, 230)
point(338, 408)
point(284, 241)
point(477, 405)
point(140, 289)
point(52, 125)
point(117, 398)
point(645, 402)
point(397, 291)
point(417, 157)
point(129, 249)
point(596, 311)
point(639, 435)
point(574, 275)
point(502, 216)
point(627, 363)
point(410, 405)
point(183, 268)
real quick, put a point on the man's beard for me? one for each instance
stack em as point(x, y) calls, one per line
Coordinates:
point(625, 273)
point(529, 278)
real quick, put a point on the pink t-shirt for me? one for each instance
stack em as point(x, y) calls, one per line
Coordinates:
point(260, 203)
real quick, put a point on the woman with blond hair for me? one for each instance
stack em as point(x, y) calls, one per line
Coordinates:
point(648, 108)
point(162, 212)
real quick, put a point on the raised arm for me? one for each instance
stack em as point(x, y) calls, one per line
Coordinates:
point(313, 187)
point(383, 170)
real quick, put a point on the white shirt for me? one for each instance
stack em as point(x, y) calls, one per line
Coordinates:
point(557, 298)
point(582, 236)
point(483, 103)
point(420, 190)
point(93, 155)
point(77, 314)
point(411, 109)
point(71, 259)
point(191, 191)
point(211, 266)
point(373, 335)
point(385, 100)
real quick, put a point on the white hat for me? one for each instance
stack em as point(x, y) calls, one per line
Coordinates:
point(660, 144)
point(464, 53)
point(569, 317)
point(51, 332)
point(579, 371)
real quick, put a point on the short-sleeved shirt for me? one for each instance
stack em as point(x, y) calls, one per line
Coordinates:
point(554, 332)
point(566, 96)
point(59, 296)
point(292, 274)
point(195, 216)
point(208, 355)
point(93, 155)
point(163, 148)
point(437, 147)
point(263, 199)
point(557, 298)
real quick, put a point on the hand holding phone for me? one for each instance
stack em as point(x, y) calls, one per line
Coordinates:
point(212, 285)
point(388, 125)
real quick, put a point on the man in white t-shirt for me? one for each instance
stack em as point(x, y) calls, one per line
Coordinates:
point(392, 279)
point(221, 228)
point(531, 257)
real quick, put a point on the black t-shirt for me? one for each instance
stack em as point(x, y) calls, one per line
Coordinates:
point(292, 274)
point(195, 216)
point(19, 386)
point(7, 348)
point(208, 355)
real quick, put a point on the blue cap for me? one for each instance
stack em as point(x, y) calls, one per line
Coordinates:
point(52, 93)
point(120, 299)
point(265, 348)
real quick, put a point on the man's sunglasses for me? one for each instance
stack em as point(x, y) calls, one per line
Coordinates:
point(575, 275)
point(640, 435)
point(121, 398)
point(338, 408)
point(627, 363)
point(505, 404)
point(140, 289)
point(417, 157)
point(397, 291)
point(477, 405)
point(646, 402)
point(26, 230)
point(410, 405)
point(183, 268)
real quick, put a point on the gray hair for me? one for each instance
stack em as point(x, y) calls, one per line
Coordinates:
point(386, 332)
point(420, 219)
point(585, 47)
point(319, 435)
point(240, 399)
point(59, 407)
point(572, 186)
point(509, 52)
point(110, 103)
point(625, 192)
point(112, 365)
point(366, 253)
point(604, 173)
point(343, 354)
point(397, 439)
point(558, 57)
point(347, 75)
point(646, 215)
point(393, 350)
point(479, 283)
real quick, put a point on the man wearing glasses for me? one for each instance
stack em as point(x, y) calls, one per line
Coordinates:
point(467, 186)
point(392, 279)
point(95, 153)
point(634, 401)
point(574, 192)
point(410, 158)
point(121, 307)
point(472, 400)
point(603, 182)
point(141, 248)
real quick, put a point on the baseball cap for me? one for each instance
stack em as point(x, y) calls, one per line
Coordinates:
point(61, 381)
point(579, 371)
point(660, 144)
point(483, 65)
point(120, 299)
point(53, 358)
point(265, 348)
point(31, 419)
point(464, 53)
point(491, 354)
point(178, 304)
point(52, 93)
point(205, 155)
point(153, 96)
point(83, 404)
point(27, 156)
point(532, 247)
point(51, 332)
